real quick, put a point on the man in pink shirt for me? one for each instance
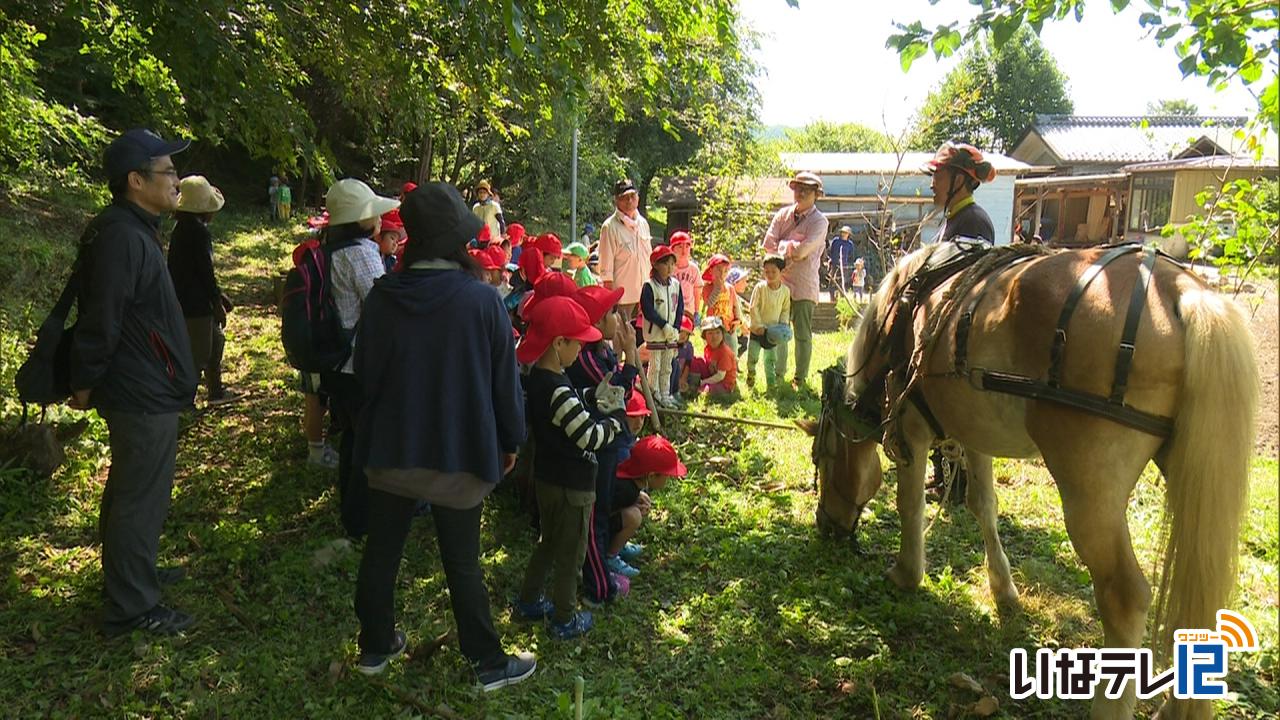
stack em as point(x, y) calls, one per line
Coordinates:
point(798, 233)
point(625, 244)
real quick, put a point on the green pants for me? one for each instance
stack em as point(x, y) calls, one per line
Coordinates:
point(802, 327)
point(775, 362)
point(564, 515)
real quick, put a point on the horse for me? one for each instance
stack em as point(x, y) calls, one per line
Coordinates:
point(1192, 367)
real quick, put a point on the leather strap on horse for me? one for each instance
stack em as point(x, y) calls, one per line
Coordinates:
point(1137, 302)
point(1069, 307)
point(960, 358)
point(1088, 402)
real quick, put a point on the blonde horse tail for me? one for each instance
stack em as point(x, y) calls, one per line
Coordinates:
point(1206, 466)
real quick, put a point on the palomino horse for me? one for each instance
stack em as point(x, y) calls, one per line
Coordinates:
point(1192, 363)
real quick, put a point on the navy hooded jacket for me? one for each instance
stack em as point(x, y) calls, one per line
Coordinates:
point(439, 383)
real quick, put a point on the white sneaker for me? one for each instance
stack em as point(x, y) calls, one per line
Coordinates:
point(325, 457)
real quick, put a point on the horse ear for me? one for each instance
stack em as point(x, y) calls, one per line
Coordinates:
point(810, 427)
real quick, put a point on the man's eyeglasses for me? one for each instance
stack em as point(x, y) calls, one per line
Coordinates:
point(171, 172)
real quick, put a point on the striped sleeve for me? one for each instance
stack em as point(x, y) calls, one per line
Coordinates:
point(571, 416)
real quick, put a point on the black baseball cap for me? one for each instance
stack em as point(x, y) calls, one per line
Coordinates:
point(435, 216)
point(135, 150)
point(623, 186)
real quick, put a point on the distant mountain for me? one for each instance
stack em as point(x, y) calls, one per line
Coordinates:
point(772, 132)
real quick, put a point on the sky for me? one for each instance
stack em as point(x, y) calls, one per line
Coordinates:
point(826, 60)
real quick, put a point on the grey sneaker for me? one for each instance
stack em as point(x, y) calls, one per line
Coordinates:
point(375, 663)
point(517, 668)
point(159, 620)
point(326, 458)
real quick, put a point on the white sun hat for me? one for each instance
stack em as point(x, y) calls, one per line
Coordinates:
point(350, 200)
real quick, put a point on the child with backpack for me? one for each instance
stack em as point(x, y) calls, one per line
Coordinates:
point(564, 467)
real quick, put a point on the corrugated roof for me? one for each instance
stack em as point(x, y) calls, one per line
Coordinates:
point(883, 163)
point(1212, 162)
point(1077, 139)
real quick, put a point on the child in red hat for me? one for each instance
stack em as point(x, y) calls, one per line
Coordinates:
point(662, 306)
point(719, 299)
point(564, 467)
point(593, 365)
point(551, 248)
point(653, 460)
point(390, 238)
point(688, 274)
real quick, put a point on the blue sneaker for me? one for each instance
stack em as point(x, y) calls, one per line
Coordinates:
point(530, 611)
point(631, 551)
point(375, 663)
point(620, 566)
point(576, 626)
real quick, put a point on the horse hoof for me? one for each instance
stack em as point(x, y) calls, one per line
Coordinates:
point(903, 579)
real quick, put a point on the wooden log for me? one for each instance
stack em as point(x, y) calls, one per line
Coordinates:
point(727, 418)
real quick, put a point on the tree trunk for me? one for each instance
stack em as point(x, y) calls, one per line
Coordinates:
point(428, 149)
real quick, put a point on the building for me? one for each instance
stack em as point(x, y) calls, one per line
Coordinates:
point(1099, 145)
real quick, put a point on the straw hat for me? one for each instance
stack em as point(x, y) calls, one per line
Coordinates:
point(196, 195)
point(350, 200)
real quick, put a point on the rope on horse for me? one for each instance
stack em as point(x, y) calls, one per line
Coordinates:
point(992, 260)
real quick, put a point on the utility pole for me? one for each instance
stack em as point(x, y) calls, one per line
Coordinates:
point(573, 187)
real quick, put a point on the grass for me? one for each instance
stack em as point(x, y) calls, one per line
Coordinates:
point(742, 611)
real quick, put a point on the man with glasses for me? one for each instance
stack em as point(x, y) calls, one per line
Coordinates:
point(131, 361)
point(798, 233)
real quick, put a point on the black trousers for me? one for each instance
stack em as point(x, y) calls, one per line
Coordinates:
point(135, 503)
point(458, 536)
point(353, 487)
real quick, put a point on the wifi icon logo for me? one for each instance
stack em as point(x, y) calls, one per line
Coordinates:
point(1236, 632)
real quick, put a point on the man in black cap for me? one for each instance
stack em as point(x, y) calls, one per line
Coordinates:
point(625, 244)
point(131, 361)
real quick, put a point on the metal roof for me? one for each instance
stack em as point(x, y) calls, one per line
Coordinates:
point(1212, 162)
point(912, 163)
point(1076, 139)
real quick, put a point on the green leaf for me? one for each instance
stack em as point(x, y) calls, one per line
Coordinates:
point(911, 53)
point(1149, 19)
point(945, 42)
point(1118, 5)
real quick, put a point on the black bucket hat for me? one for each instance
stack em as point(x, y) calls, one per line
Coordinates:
point(437, 219)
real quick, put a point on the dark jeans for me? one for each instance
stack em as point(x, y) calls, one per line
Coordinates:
point(597, 583)
point(353, 487)
point(458, 536)
point(135, 503)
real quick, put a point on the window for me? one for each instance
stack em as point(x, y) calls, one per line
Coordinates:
point(1151, 202)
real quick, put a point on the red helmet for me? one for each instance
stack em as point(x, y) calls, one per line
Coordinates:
point(964, 158)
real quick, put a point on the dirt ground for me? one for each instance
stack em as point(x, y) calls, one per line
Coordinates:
point(1266, 331)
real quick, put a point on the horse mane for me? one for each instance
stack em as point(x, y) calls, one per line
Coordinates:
point(873, 317)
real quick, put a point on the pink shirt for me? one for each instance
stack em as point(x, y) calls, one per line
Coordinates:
point(800, 240)
point(690, 282)
point(624, 255)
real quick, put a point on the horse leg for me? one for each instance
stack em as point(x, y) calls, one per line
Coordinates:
point(980, 497)
point(1093, 505)
point(907, 572)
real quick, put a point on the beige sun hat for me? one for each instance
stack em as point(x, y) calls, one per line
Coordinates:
point(806, 179)
point(350, 200)
point(196, 195)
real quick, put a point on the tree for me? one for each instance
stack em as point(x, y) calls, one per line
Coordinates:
point(1173, 106)
point(822, 136)
point(1220, 40)
point(992, 95)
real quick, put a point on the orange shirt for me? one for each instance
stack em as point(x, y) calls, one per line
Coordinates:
point(723, 358)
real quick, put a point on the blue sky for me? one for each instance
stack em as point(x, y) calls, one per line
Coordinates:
point(826, 60)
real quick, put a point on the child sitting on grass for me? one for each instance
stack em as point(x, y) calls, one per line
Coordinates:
point(770, 324)
point(652, 461)
point(716, 372)
point(564, 466)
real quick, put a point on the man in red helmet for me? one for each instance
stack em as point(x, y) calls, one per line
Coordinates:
point(957, 170)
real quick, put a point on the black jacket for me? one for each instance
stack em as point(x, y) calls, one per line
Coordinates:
point(970, 222)
point(566, 433)
point(191, 268)
point(130, 344)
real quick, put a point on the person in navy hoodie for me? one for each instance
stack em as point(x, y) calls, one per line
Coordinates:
point(439, 421)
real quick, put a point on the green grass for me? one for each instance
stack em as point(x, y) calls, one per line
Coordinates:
point(742, 611)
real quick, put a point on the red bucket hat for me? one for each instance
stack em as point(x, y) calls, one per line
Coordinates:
point(680, 237)
point(488, 259)
point(686, 325)
point(636, 406)
point(515, 233)
point(653, 455)
point(551, 284)
point(532, 266)
point(483, 237)
point(552, 318)
point(660, 252)
point(597, 300)
point(548, 244)
point(391, 221)
point(716, 260)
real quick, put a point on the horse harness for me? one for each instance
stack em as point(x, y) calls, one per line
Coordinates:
point(865, 418)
